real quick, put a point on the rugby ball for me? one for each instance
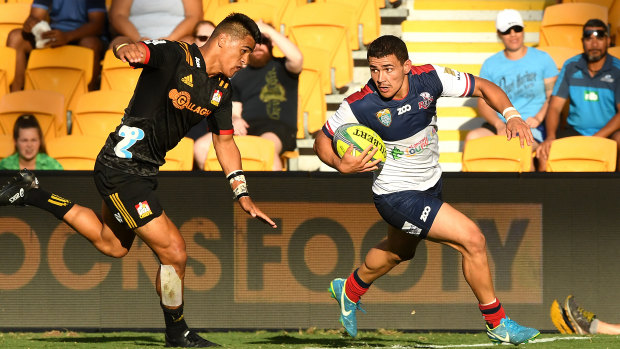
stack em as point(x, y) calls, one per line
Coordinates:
point(361, 137)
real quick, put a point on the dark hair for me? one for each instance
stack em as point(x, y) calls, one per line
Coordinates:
point(195, 31)
point(595, 22)
point(28, 121)
point(387, 45)
point(238, 26)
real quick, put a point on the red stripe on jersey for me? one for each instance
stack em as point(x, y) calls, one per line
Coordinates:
point(329, 128)
point(467, 84)
point(226, 132)
point(148, 53)
point(421, 69)
point(359, 95)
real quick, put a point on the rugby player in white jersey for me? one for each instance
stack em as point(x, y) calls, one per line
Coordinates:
point(399, 103)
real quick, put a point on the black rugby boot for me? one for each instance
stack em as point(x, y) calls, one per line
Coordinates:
point(14, 191)
point(189, 339)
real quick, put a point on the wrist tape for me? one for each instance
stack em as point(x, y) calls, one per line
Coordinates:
point(241, 189)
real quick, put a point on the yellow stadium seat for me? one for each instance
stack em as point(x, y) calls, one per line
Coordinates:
point(99, 112)
point(496, 154)
point(582, 154)
point(605, 3)
point(12, 16)
point(367, 15)
point(7, 69)
point(312, 108)
point(117, 75)
point(614, 51)
point(256, 154)
point(67, 69)
point(75, 152)
point(47, 106)
point(181, 157)
point(560, 54)
point(614, 19)
point(562, 24)
point(20, 1)
point(256, 11)
point(7, 146)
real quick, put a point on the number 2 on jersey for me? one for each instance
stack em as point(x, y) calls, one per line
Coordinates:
point(130, 136)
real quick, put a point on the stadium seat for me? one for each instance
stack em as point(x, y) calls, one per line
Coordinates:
point(47, 106)
point(367, 14)
point(67, 69)
point(605, 3)
point(562, 24)
point(75, 152)
point(312, 108)
point(117, 75)
point(256, 154)
point(614, 21)
point(181, 157)
point(98, 113)
point(582, 154)
point(7, 146)
point(12, 16)
point(496, 154)
point(560, 54)
point(256, 11)
point(7, 69)
point(614, 51)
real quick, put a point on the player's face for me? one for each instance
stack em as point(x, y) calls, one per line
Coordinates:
point(28, 143)
point(595, 43)
point(513, 38)
point(390, 76)
point(235, 54)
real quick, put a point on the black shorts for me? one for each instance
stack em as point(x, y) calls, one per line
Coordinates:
point(566, 131)
point(130, 198)
point(287, 135)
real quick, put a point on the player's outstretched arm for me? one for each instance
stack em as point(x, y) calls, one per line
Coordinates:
point(497, 99)
point(128, 51)
point(230, 159)
point(349, 163)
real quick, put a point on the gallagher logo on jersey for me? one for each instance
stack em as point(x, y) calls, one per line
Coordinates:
point(217, 97)
point(427, 99)
point(385, 117)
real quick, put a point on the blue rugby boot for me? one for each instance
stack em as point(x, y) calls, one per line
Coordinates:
point(509, 331)
point(347, 307)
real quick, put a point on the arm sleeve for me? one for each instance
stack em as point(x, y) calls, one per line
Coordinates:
point(95, 6)
point(454, 82)
point(560, 88)
point(43, 4)
point(159, 54)
point(220, 122)
point(549, 68)
point(344, 115)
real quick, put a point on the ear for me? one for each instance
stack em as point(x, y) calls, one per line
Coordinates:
point(407, 66)
point(222, 39)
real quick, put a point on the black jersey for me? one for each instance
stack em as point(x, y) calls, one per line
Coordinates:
point(173, 94)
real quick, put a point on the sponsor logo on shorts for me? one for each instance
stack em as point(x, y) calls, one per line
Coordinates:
point(411, 229)
point(143, 208)
point(425, 213)
point(118, 217)
point(182, 100)
point(385, 117)
point(188, 80)
point(217, 97)
point(396, 153)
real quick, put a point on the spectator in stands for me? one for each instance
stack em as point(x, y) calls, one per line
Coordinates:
point(30, 149)
point(526, 75)
point(265, 104)
point(202, 32)
point(155, 19)
point(574, 319)
point(591, 81)
point(72, 23)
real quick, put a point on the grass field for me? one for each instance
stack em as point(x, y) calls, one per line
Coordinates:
point(310, 339)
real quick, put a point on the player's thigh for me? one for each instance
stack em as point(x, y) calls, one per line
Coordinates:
point(453, 228)
point(399, 243)
point(113, 230)
point(164, 238)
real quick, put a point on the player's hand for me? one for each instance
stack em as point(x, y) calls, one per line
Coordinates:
point(240, 126)
point(517, 127)
point(130, 53)
point(57, 38)
point(248, 206)
point(361, 163)
point(29, 23)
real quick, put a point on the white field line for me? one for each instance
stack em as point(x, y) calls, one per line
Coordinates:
point(481, 345)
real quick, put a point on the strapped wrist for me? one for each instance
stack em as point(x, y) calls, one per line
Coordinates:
point(241, 189)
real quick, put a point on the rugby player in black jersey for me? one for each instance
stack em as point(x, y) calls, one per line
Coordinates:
point(179, 86)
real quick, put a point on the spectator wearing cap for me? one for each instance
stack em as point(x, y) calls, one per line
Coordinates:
point(526, 74)
point(590, 81)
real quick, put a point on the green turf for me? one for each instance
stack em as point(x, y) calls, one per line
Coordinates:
point(301, 339)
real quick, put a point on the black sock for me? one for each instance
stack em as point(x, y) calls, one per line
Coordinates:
point(51, 203)
point(175, 321)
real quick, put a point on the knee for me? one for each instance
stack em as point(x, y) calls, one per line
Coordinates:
point(92, 43)
point(404, 256)
point(15, 39)
point(175, 253)
point(475, 242)
point(117, 252)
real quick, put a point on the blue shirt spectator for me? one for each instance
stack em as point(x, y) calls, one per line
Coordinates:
point(68, 15)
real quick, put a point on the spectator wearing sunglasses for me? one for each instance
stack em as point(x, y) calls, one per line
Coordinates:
point(591, 82)
point(526, 74)
point(202, 32)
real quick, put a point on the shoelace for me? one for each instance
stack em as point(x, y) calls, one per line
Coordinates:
point(586, 314)
point(358, 305)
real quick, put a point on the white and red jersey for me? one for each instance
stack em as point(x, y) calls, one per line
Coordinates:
point(408, 126)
